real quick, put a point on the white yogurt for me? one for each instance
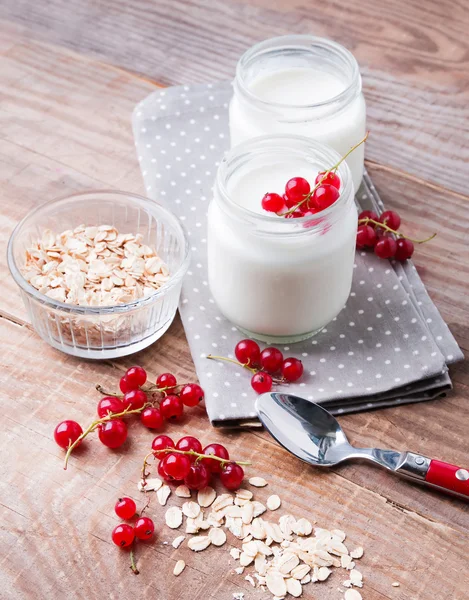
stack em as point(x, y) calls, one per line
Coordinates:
point(278, 279)
point(301, 85)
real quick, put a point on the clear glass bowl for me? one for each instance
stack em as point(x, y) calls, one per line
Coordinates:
point(110, 331)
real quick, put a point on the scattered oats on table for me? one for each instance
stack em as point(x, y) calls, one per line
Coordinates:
point(284, 556)
point(179, 567)
point(94, 266)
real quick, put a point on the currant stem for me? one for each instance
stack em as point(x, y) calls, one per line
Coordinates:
point(199, 456)
point(326, 173)
point(231, 360)
point(367, 220)
point(101, 390)
point(154, 388)
point(94, 424)
point(145, 465)
point(246, 366)
point(133, 565)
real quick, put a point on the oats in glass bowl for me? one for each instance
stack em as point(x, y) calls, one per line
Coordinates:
point(95, 290)
point(94, 266)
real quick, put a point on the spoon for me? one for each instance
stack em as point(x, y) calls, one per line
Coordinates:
point(312, 434)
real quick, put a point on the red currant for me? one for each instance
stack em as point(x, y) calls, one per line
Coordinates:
point(161, 442)
point(273, 203)
point(189, 443)
point(136, 376)
point(126, 385)
point(248, 352)
point(162, 471)
point(198, 477)
point(385, 247)
point(261, 382)
point(151, 418)
point(171, 407)
point(66, 433)
point(325, 196)
point(112, 433)
point(289, 203)
point(176, 465)
point(125, 508)
point(292, 369)
point(404, 249)
point(309, 212)
point(296, 189)
point(331, 179)
point(134, 399)
point(391, 219)
point(109, 404)
point(215, 466)
point(297, 214)
point(232, 476)
point(166, 380)
point(123, 535)
point(368, 214)
point(191, 394)
point(271, 360)
point(144, 528)
point(366, 236)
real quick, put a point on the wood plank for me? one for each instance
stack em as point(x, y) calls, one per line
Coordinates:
point(53, 140)
point(414, 62)
point(67, 516)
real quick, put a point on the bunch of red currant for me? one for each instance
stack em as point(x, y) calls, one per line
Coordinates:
point(299, 200)
point(379, 233)
point(263, 365)
point(123, 534)
point(187, 462)
point(155, 404)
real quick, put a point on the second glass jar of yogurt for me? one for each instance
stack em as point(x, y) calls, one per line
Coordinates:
point(301, 85)
point(278, 279)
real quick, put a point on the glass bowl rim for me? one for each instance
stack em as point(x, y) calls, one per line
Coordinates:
point(98, 310)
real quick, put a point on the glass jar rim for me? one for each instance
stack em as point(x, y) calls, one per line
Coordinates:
point(300, 145)
point(15, 270)
point(301, 41)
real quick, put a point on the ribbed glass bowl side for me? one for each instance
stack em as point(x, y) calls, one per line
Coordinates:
point(103, 332)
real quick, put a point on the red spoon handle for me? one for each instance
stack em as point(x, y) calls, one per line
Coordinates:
point(449, 477)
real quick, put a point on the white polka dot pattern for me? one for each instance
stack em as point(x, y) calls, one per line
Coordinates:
point(388, 346)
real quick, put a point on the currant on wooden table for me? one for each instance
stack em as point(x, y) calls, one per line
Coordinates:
point(189, 463)
point(155, 404)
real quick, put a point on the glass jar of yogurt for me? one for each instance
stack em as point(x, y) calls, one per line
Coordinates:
point(301, 85)
point(277, 279)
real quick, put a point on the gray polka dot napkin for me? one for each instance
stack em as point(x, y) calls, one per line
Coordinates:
point(388, 346)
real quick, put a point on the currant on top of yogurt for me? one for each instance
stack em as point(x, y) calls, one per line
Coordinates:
point(300, 200)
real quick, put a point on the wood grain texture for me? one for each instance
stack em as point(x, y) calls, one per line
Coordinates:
point(414, 62)
point(65, 126)
point(56, 524)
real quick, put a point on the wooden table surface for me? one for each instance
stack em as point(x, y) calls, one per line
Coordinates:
point(70, 74)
